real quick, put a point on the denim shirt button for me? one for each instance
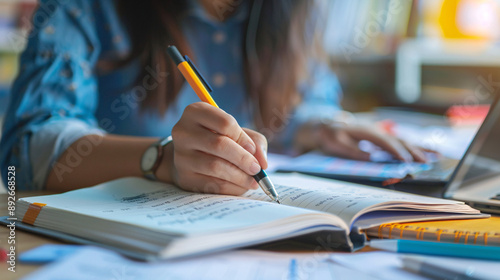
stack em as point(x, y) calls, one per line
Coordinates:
point(219, 37)
point(117, 39)
point(46, 54)
point(49, 30)
point(218, 79)
point(65, 73)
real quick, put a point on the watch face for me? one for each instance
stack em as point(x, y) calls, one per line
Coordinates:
point(149, 158)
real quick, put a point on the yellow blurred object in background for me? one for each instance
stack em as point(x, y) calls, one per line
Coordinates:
point(470, 19)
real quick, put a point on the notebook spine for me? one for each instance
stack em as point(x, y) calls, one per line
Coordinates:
point(398, 231)
point(32, 212)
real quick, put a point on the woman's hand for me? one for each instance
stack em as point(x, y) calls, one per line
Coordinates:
point(343, 141)
point(211, 153)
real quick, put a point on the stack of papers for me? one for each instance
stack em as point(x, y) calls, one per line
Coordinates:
point(97, 263)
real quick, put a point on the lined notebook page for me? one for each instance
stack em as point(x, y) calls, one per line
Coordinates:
point(163, 207)
point(344, 199)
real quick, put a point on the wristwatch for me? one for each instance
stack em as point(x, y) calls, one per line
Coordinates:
point(152, 157)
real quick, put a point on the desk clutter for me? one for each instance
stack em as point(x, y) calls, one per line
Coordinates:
point(96, 263)
point(183, 235)
point(140, 229)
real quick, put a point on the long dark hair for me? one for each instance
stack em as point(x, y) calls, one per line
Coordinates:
point(272, 74)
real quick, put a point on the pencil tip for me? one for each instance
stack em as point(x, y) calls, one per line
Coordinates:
point(277, 200)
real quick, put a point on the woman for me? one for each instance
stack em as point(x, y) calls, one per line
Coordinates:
point(96, 91)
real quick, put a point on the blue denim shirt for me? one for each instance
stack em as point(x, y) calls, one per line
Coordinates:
point(59, 97)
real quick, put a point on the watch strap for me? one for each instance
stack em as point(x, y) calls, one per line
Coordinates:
point(150, 174)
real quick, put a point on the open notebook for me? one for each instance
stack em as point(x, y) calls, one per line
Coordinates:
point(156, 220)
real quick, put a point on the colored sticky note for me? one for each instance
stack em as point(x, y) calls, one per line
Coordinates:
point(48, 253)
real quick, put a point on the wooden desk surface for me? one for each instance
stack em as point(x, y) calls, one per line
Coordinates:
point(26, 241)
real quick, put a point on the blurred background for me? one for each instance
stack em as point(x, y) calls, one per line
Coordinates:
point(424, 54)
point(15, 21)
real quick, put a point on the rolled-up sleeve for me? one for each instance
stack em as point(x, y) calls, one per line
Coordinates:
point(321, 97)
point(54, 97)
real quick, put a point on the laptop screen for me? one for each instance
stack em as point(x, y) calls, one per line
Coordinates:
point(482, 159)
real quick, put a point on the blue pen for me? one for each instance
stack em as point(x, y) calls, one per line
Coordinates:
point(438, 248)
point(293, 270)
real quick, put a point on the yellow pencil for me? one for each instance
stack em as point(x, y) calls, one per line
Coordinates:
point(192, 76)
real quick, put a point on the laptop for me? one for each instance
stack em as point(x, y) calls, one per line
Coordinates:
point(437, 173)
point(476, 180)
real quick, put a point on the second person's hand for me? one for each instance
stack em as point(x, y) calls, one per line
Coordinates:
point(344, 141)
